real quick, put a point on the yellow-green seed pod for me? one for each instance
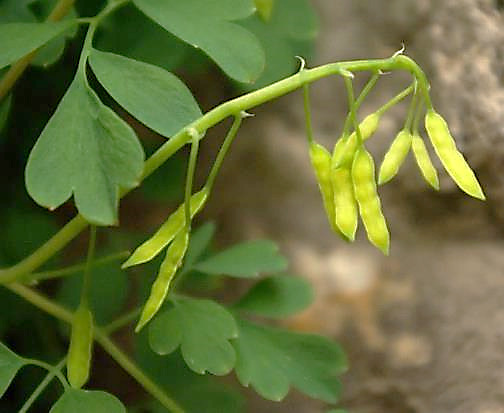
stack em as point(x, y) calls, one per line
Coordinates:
point(452, 160)
point(79, 352)
point(424, 162)
point(338, 150)
point(321, 162)
point(395, 156)
point(172, 262)
point(264, 8)
point(165, 234)
point(367, 128)
point(363, 177)
point(346, 209)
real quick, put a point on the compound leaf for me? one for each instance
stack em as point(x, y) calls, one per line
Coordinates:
point(87, 150)
point(235, 50)
point(271, 360)
point(245, 260)
point(195, 393)
point(10, 363)
point(19, 39)
point(153, 95)
point(277, 296)
point(84, 401)
point(202, 329)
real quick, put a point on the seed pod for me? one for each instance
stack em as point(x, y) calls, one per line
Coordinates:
point(172, 262)
point(395, 156)
point(346, 209)
point(321, 162)
point(165, 234)
point(424, 162)
point(452, 160)
point(367, 128)
point(264, 8)
point(79, 352)
point(363, 177)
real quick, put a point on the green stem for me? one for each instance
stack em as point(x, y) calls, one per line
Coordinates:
point(129, 366)
point(352, 109)
point(211, 118)
point(50, 369)
point(86, 279)
point(93, 25)
point(358, 102)
point(103, 339)
point(122, 320)
point(307, 111)
point(46, 251)
point(228, 140)
point(46, 275)
point(411, 113)
point(395, 100)
point(43, 384)
point(418, 116)
point(191, 168)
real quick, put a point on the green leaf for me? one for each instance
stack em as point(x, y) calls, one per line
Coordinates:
point(296, 19)
point(16, 11)
point(206, 25)
point(84, 401)
point(289, 33)
point(271, 360)
point(202, 329)
point(277, 296)
point(336, 411)
point(142, 41)
point(87, 150)
point(245, 260)
point(151, 94)
point(19, 12)
point(19, 39)
point(194, 392)
point(10, 363)
point(5, 106)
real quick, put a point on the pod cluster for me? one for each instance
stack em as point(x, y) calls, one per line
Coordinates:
point(347, 182)
point(174, 233)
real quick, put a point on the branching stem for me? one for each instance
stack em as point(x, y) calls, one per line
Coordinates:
point(103, 339)
point(215, 116)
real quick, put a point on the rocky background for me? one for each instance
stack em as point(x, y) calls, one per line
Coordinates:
point(423, 328)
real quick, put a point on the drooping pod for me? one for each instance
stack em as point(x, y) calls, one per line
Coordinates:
point(395, 156)
point(321, 161)
point(452, 160)
point(344, 155)
point(167, 232)
point(172, 262)
point(79, 352)
point(363, 177)
point(424, 162)
point(346, 210)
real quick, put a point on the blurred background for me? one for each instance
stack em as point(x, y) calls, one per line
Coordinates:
point(423, 328)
